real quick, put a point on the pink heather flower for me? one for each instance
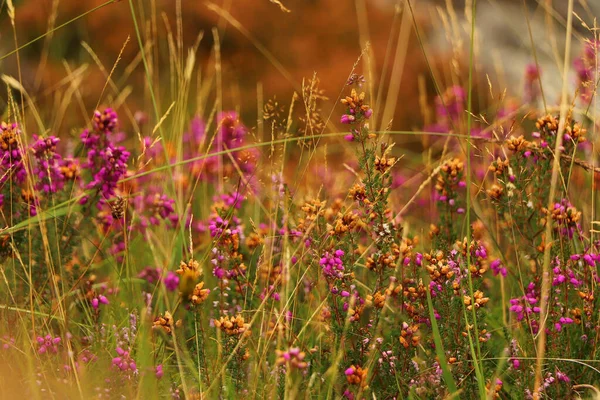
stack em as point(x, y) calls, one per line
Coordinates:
point(231, 131)
point(159, 371)
point(124, 362)
point(347, 119)
point(106, 161)
point(8, 342)
point(48, 164)
point(86, 356)
point(48, 344)
point(348, 394)
point(451, 105)
point(171, 281)
point(100, 299)
point(154, 207)
point(150, 274)
point(11, 156)
point(332, 265)
point(562, 377)
point(419, 259)
point(196, 133)
point(589, 260)
point(497, 268)
point(349, 371)
point(105, 121)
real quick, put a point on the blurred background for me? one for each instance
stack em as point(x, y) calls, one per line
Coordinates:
point(266, 49)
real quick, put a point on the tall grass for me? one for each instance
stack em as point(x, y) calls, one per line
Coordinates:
point(203, 255)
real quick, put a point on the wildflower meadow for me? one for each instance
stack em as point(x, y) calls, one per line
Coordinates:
point(169, 229)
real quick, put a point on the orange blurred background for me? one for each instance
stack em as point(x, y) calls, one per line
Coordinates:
point(325, 37)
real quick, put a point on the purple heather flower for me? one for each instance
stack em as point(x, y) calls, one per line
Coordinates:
point(105, 121)
point(155, 207)
point(11, 156)
point(515, 363)
point(196, 133)
point(347, 119)
point(106, 161)
point(332, 264)
point(158, 372)
point(451, 105)
point(348, 394)
point(48, 169)
point(48, 344)
point(419, 259)
point(150, 274)
point(171, 281)
point(562, 377)
point(124, 362)
point(8, 342)
point(497, 268)
point(100, 299)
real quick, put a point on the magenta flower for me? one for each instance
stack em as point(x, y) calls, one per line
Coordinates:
point(497, 268)
point(171, 281)
point(48, 344)
point(124, 362)
point(11, 155)
point(332, 264)
point(48, 169)
point(100, 299)
point(106, 161)
point(158, 372)
point(150, 274)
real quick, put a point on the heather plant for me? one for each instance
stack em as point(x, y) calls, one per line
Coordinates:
point(207, 256)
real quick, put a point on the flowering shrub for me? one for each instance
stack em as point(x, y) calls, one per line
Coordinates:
point(191, 265)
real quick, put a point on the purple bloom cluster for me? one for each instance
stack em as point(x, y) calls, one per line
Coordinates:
point(231, 132)
point(106, 161)
point(526, 304)
point(150, 274)
point(356, 110)
point(219, 226)
point(451, 105)
point(48, 169)
point(100, 299)
point(562, 321)
point(11, 155)
point(234, 199)
point(124, 361)
point(561, 276)
point(8, 342)
point(48, 344)
point(154, 207)
point(497, 268)
point(332, 265)
point(171, 281)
